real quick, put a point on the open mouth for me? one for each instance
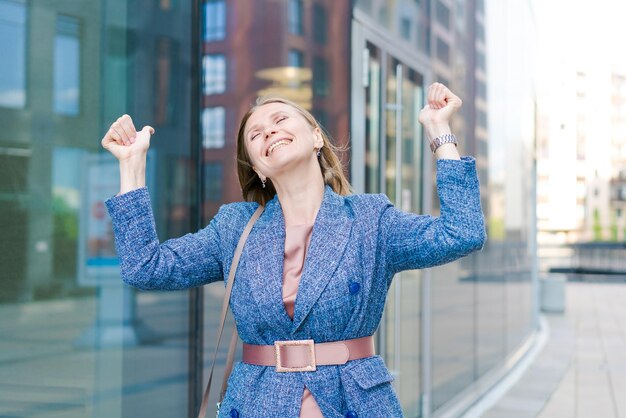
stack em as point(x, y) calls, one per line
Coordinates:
point(276, 145)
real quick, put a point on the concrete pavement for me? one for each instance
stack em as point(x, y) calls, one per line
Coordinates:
point(581, 371)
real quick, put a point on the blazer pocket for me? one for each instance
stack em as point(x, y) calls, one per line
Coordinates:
point(367, 389)
point(369, 372)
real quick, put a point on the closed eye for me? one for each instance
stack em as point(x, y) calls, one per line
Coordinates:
point(254, 136)
point(282, 118)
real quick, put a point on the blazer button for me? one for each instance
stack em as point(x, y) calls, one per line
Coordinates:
point(351, 414)
point(234, 413)
point(354, 288)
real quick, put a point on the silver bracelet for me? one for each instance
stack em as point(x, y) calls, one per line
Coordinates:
point(442, 139)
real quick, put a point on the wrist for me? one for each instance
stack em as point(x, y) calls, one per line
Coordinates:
point(433, 131)
point(132, 174)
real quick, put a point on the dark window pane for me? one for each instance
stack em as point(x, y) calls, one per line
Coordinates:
point(320, 77)
point(405, 28)
point(295, 58)
point(320, 27)
point(213, 181)
point(443, 14)
point(166, 80)
point(443, 51)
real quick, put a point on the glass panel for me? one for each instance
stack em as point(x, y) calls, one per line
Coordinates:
point(213, 121)
point(67, 66)
point(13, 47)
point(372, 122)
point(295, 58)
point(214, 69)
point(401, 327)
point(295, 17)
point(410, 321)
point(75, 341)
point(214, 20)
point(320, 27)
point(409, 20)
point(390, 131)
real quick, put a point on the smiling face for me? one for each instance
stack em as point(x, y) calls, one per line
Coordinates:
point(278, 138)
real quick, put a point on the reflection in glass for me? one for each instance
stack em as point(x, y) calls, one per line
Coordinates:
point(372, 121)
point(166, 81)
point(213, 120)
point(213, 181)
point(295, 13)
point(320, 30)
point(295, 58)
point(443, 51)
point(215, 20)
point(321, 80)
point(214, 69)
point(13, 47)
point(67, 66)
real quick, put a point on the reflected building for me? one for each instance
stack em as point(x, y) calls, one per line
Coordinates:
point(191, 70)
point(294, 49)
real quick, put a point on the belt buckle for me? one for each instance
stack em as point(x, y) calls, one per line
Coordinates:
point(311, 367)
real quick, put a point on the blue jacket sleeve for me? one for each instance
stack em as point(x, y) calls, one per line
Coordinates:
point(419, 241)
point(180, 263)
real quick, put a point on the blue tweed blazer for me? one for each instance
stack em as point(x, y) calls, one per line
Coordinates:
point(360, 239)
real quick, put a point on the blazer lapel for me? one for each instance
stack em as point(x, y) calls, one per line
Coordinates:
point(330, 235)
point(264, 266)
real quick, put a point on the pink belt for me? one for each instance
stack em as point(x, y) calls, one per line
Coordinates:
point(305, 355)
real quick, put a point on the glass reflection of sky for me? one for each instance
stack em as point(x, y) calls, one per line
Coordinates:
point(12, 45)
point(67, 66)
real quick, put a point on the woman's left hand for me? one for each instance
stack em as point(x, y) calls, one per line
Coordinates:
point(441, 105)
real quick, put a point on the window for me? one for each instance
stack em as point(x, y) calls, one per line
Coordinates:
point(295, 58)
point(166, 88)
point(320, 77)
point(320, 27)
point(481, 118)
point(13, 47)
point(443, 14)
point(480, 61)
point(295, 15)
point(405, 28)
point(480, 32)
point(213, 181)
point(443, 51)
point(214, 20)
point(480, 6)
point(213, 127)
point(481, 89)
point(66, 92)
point(214, 69)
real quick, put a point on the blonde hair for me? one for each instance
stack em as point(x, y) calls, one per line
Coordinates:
point(330, 164)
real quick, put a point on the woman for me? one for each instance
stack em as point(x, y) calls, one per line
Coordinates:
point(317, 264)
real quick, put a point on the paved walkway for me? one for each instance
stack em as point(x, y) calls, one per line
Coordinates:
point(581, 371)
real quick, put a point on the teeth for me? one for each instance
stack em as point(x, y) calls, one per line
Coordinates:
point(276, 145)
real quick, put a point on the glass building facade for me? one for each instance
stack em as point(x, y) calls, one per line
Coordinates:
point(76, 342)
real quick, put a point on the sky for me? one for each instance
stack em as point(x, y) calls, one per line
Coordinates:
point(591, 32)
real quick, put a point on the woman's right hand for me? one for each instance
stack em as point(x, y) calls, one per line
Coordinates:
point(124, 142)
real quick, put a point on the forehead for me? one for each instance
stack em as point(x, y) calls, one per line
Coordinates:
point(267, 111)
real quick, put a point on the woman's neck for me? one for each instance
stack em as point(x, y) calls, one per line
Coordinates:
point(300, 199)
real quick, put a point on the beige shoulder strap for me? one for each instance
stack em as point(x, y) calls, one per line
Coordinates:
point(233, 340)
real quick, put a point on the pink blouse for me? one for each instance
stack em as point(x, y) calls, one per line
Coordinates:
point(296, 244)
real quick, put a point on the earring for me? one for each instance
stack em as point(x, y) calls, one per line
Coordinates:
point(263, 183)
point(319, 153)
